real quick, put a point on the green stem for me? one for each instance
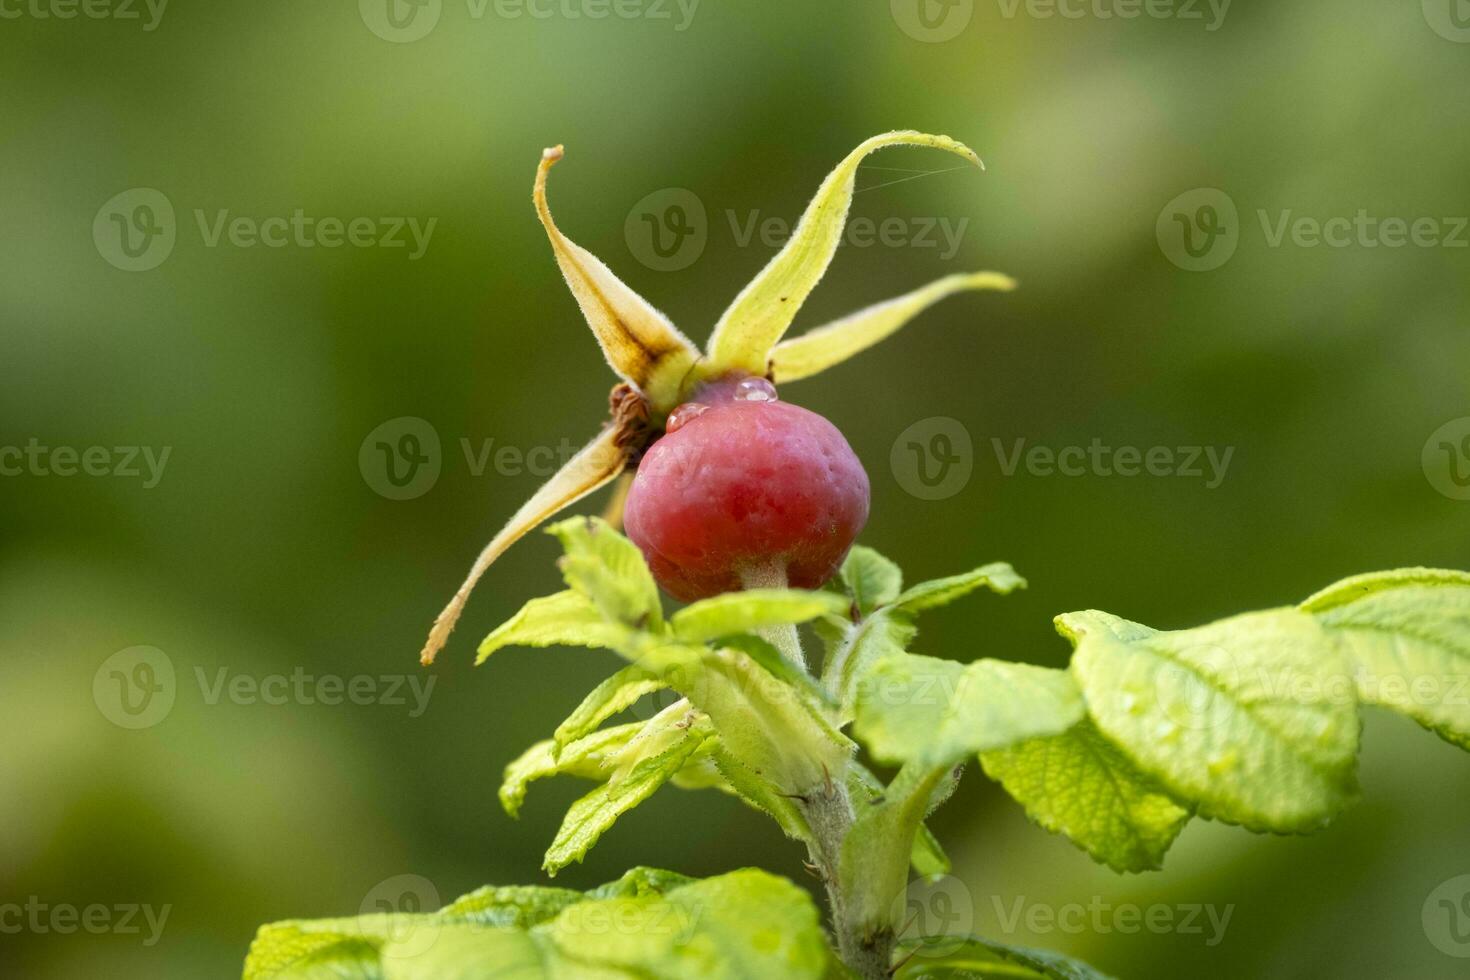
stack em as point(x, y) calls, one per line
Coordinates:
point(784, 637)
point(828, 812)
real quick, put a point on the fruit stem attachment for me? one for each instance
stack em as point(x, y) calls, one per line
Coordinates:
point(772, 575)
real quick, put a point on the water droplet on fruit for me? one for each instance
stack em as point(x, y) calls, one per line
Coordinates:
point(684, 414)
point(754, 390)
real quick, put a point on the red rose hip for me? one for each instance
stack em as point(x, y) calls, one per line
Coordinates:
point(743, 489)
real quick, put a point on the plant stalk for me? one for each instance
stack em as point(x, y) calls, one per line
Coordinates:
point(783, 637)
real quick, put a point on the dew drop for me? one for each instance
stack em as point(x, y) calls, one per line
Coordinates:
point(684, 414)
point(754, 390)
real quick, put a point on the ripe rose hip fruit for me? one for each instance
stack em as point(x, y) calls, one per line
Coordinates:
point(734, 488)
point(744, 489)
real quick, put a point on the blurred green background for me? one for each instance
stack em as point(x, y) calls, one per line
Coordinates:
point(264, 548)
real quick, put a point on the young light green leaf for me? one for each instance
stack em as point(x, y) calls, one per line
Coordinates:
point(825, 346)
point(927, 855)
point(639, 342)
point(984, 958)
point(567, 618)
point(736, 926)
point(885, 633)
point(510, 906)
point(618, 693)
point(304, 951)
point(870, 579)
point(587, 758)
point(772, 727)
point(1079, 785)
point(746, 333)
point(750, 610)
point(1252, 718)
point(595, 465)
point(648, 923)
point(939, 712)
point(998, 577)
point(1407, 635)
point(653, 757)
point(608, 569)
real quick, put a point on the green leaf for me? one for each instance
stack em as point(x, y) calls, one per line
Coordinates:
point(616, 694)
point(831, 344)
point(998, 577)
point(1407, 635)
point(746, 333)
point(870, 579)
point(740, 925)
point(647, 924)
point(886, 633)
point(1252, 718)
point(608, 569)
point(984, 958)
point(938, 712)
point(1080, 785)
point(643, 764)
point(751, 610)
point(588, 758)
point(565, 619)
point(299, 952)
point(927, 855)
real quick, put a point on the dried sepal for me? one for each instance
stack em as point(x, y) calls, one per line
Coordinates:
point(835, 342)
point(598, 463)
point(640, 343)
point(760, 315)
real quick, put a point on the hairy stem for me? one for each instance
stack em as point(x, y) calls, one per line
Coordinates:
point(828, 812)
point(829, 815)
point(784, 637)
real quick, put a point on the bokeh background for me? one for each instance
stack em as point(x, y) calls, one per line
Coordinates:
point(265, 548)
